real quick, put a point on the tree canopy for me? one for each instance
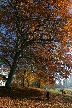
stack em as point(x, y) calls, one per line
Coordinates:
point(36, 34)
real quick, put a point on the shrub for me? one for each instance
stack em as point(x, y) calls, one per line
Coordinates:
point(67, 91)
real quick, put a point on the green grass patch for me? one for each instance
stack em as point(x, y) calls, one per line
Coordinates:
point(54, 90)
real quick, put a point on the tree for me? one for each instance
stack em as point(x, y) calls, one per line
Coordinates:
point(33, 33)
point(24, 76)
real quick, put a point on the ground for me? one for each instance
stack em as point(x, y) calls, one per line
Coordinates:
point(32, 98)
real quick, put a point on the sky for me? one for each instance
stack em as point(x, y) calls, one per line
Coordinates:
point(70, 11)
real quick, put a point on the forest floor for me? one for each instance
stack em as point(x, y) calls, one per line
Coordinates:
point(32, 98)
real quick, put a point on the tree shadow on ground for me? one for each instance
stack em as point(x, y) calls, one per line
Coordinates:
point(33, 94)
point(21, 93)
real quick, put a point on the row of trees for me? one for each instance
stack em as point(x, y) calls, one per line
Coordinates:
point(27, 78)
point(36, 34)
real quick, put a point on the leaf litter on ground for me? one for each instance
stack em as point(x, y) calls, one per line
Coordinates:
point(32, 98)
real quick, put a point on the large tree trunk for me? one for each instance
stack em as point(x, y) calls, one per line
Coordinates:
point(10, 76)
point(12, 71)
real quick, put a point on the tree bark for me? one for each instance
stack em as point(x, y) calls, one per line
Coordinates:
point(23, 81)
point(24, 78)
point(28, 83)
point(38, 83)
point(10, 76)
point(12, 71)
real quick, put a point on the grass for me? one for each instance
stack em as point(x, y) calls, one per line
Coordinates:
point(54, 91)
point(32, 98)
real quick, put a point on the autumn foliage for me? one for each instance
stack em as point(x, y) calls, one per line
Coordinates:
point(37, 34)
